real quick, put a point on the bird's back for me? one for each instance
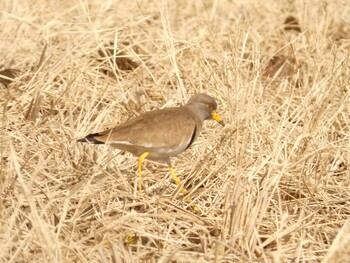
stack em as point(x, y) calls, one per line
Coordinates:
point(164, 133)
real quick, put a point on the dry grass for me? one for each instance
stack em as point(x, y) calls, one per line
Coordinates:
point(272, 186)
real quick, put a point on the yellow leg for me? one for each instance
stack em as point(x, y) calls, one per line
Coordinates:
point(139, 169)
point(183, 190)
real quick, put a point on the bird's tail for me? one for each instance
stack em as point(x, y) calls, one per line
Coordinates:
point(91, 138)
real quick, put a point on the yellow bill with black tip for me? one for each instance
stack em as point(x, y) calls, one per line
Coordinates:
point(217, 117)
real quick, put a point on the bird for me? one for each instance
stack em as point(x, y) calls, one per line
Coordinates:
point(160, 134)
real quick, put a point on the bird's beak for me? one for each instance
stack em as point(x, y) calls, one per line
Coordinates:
point(217, 117)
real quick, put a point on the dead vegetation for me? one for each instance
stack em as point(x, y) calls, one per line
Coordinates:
point(272, 186)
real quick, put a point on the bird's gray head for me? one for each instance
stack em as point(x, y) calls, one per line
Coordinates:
point(204, 107)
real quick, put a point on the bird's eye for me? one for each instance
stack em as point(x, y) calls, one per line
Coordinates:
point(209, 106)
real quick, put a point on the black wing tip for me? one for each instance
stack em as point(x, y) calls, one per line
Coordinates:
point(91, 138)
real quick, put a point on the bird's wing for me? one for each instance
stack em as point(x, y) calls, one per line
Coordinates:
point(166, 128)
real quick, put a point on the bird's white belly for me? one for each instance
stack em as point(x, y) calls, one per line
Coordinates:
point(164, 153)
point(156, 153)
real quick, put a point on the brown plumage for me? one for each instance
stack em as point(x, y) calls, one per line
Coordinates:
point(160, 134)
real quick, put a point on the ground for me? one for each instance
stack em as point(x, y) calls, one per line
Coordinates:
point(273, 185)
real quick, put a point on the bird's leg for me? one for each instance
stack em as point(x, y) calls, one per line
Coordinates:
point(177, 179)
point(178, 183)
point(139, 169)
